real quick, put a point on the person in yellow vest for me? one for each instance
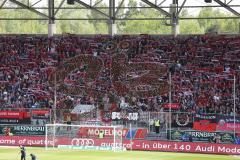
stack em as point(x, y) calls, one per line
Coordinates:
point(101, 135)
point(157, 125)
point(69, 121)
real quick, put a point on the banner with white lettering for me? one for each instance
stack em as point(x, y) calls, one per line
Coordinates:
point(226, 123)
point(14, 117)
point(204, 122)
point(40, 116)
point(173, 106)
point(22, 130)
point(125, 116)
point(93, 132)
point(200, 136)
point(144, 145)
point(82, 108)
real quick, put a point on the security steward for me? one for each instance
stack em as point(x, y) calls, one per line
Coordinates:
point(69, 122)
point(101, 135)
point(157, 125)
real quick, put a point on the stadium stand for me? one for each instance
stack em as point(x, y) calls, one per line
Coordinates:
point(120, 72)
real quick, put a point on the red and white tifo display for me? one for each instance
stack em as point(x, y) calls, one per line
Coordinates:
point(144, 145)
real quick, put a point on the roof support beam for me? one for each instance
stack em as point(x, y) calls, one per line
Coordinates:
point(28, 7)
point(112, 28)
point(118, 8)
point(179, 11)
point(36, 3)
point(51, 21)
point(3, 3)
point(157, 7)
point(161, 3)
point(122, 19)
point(97, 3)
point(227, 7)
point(90, 7)
point(112, 10)
point(229, 1)
point(59, 7)
point(51, 14)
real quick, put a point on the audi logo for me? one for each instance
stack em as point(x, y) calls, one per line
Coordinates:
point(82, 142)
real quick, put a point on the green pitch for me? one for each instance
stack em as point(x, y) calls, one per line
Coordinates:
point(42, 154)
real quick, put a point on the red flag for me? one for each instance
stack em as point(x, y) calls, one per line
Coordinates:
point(205, 125)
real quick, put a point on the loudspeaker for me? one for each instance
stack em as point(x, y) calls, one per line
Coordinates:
point(208, 1)
point(70, 2)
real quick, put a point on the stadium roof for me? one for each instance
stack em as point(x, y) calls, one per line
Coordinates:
point(103, 7)
point(108, 10)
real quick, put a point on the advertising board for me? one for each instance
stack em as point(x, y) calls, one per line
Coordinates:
point(201, 136)
point(146, 145)
point(18, 130)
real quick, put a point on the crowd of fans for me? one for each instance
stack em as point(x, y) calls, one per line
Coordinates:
point(120, 73)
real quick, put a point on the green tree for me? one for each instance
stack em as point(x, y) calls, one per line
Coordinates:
point(189, 26)
point(131, 11)
point(74, 26)
point(145, 26)
point(21, 26)
point(217, 25)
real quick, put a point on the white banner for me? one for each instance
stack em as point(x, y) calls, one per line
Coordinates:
point(127, 116)
point(82, 108)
